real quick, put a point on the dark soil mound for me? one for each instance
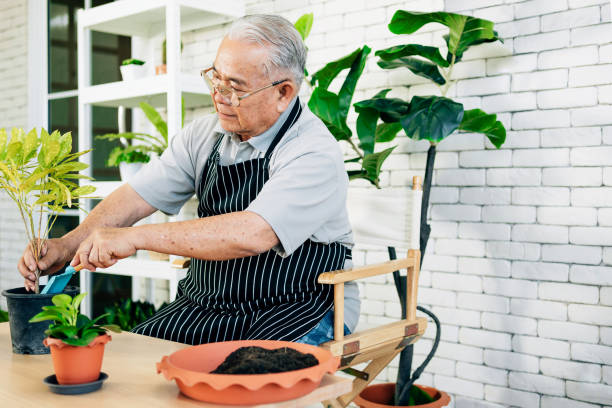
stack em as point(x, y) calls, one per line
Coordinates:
point(258, 360)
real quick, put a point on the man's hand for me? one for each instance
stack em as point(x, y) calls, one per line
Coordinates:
point(104, 247)
point(54, 255)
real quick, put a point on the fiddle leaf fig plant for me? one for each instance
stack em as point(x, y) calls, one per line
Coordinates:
point(69, 325)
point(40, 174)
point(432, 118)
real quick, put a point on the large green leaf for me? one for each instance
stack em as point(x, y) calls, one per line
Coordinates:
point(61, 300)
point(366, 129)
point(371, 166)
point(156, 119)
point(51, 152)
point(30, 145)
point(65, 145)
point(432, 118)
point(390, 109)
point(417, 66)
point(14, 151)
point(304, 24)
point(345, 95)
point(399, 51)
point(324, 77)
point(464, 31)
point(478, 121)
point(385, 132)
point(324, 104)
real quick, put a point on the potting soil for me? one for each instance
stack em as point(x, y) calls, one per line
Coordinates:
point(258, 360)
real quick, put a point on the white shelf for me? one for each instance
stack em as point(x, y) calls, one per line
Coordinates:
point(152, 89)
point(104, 188)
point(147, 18)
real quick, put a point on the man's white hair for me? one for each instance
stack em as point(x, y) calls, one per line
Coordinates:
point(286, 48)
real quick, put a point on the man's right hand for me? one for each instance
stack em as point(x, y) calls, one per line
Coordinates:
point(54, 255)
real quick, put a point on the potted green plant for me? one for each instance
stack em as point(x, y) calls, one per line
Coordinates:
point(40, 174)
point(380, 119)
point(136, 147)
point(132, 68)
point(431, 118)
point(76, 342)
point(161, 69)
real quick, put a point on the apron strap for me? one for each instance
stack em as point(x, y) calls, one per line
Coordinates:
point(291, 119)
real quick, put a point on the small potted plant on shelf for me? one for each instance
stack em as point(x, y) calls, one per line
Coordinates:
point(39, 173)
point(161, 69)
point(136, 147)
point(76, 342)
point(132, 68)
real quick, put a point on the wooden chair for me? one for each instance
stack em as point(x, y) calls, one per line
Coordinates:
point(388, 217)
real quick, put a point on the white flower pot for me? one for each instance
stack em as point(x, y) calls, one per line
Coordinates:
point(133, 71)
point(128, 170)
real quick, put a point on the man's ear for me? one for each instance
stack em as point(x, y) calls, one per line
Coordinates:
point(286, 92)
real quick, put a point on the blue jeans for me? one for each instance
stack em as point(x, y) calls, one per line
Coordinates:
point(322, 332)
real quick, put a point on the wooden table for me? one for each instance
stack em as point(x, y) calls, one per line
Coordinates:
point(129, 360)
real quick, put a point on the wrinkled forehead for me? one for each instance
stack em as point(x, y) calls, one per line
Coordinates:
point(240, 59)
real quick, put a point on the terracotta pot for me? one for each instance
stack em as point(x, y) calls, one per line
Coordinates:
point(160, 69)
point(77, 364)
point(381, 396)
point(191, 368)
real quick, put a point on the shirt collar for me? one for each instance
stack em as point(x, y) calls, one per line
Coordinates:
point(262, 141)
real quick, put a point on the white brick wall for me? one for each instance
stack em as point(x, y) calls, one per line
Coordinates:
point(518, 266)
point(13, 112)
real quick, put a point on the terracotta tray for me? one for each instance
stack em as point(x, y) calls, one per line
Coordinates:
point(191, 368)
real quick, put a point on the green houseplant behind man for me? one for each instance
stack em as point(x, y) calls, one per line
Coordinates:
point(271, 186)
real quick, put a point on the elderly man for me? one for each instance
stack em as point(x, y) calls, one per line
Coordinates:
point(271, 186)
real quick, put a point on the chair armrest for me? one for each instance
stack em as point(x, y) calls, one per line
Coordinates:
point(346, 275)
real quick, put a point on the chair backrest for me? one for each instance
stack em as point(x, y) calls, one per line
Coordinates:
point(386, 217)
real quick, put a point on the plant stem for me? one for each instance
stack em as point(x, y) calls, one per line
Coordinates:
point(447, 76)
point(355, 148)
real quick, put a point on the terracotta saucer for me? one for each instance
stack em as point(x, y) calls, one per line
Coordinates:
point(191, 368)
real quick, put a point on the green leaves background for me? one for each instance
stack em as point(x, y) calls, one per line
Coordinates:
point(381, 118)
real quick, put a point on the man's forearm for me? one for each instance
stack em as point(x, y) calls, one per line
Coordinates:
point(122, 208)
point(226, 236)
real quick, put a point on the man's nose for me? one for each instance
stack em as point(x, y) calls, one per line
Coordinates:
point(220, 98)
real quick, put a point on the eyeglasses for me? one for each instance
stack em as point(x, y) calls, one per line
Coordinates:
point(228, 93)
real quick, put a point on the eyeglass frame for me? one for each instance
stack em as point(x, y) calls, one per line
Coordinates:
point(212, 87)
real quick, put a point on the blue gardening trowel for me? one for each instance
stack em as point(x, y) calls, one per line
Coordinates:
point(58, 282)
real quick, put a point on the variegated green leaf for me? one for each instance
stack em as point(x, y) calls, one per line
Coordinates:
point(83, 191)
point(30, 145)
point(53, 148)
point(65, 145)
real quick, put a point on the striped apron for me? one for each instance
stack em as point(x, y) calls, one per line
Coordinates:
point(264, 296)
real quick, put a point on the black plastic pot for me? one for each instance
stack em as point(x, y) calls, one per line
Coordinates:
point(27, 338)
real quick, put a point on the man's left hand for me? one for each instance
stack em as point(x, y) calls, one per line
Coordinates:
point(104, 247)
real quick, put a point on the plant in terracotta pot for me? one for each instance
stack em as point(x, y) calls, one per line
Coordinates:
point(380, 119)
point(161, 69)
point(431, 118)
point(39, 172)
point(76, 342)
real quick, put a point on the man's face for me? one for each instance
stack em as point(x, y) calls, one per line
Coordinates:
point(239, 64)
